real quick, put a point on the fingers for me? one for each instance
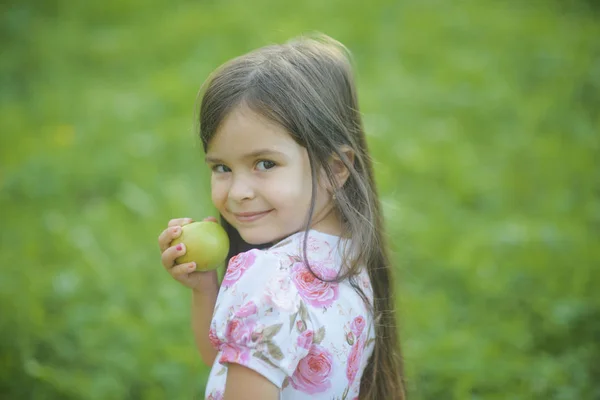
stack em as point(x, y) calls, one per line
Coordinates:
point(170, 254)
point(182, 270)
point(180, 222)
point(167, 236)
point(173, 231)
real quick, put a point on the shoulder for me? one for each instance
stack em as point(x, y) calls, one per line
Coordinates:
point(281, 256)
point(319, 246)
point(259, 316)
point(281, 276)
point(247, 264)
point(260, 278)
point(314, 262)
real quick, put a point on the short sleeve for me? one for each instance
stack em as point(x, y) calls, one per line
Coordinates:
point(260, 320)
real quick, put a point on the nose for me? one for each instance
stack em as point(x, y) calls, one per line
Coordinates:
point(241, 189)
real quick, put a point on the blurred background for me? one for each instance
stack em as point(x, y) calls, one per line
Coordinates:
point(483, 118)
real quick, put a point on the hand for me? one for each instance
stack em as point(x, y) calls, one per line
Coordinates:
point(186, 273)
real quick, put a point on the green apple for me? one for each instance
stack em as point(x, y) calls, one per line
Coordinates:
point(206, 243)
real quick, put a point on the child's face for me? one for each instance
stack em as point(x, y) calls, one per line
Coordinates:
point(261, 180)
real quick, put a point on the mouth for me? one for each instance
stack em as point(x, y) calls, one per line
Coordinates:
point(250, 216)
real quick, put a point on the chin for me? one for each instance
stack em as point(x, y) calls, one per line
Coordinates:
point(253, 239)
point(257, 238)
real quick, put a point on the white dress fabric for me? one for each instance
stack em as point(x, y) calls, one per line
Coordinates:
point(310, 338)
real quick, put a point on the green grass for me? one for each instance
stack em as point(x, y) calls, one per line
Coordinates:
point(484, 123)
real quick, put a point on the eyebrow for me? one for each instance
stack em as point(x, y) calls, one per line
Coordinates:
point(254, 154)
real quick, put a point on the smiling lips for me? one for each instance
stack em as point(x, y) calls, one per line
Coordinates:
point(250, 216)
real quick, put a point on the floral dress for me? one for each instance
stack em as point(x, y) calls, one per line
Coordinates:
point(312, 339)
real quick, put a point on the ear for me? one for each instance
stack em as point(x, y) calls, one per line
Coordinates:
point(338, 167)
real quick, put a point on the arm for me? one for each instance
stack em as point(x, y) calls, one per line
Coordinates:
point(204, 285)
point(244, 383)
point(255, 320)
point(203, 305)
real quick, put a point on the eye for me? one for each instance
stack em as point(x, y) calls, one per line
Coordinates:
point(264, 165)
point(220, 168)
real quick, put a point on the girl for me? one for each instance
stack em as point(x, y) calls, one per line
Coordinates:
point(306, 305)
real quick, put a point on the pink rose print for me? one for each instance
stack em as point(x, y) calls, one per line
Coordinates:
point(312, 289)
point(234, 354)
point(354, 359)
point(237, 266)
point(240, 331)
point(358, 325)
point(313, 371)
point(300, 325)
point(313, 244)
point(318, 249)
point(212, 337)
point(215, 395)
point(277, 294)
point(305, 339)
point(350, 338)
point(246, 310)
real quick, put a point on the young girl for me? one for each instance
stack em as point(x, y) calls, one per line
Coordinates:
point(306, 306)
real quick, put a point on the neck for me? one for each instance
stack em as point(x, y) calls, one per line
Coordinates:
point(328, 221)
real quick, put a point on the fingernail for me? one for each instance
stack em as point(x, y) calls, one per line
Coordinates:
point(192, 266)
point(176, 230)
point(179, 247)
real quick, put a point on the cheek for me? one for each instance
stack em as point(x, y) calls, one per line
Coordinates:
point(218, 191)
point(291, 188)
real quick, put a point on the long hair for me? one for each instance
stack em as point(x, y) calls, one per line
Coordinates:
point(307, 87)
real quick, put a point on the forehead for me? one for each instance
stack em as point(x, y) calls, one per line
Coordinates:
point(243, 131)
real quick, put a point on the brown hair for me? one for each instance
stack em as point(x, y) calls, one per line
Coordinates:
point(307, 87)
